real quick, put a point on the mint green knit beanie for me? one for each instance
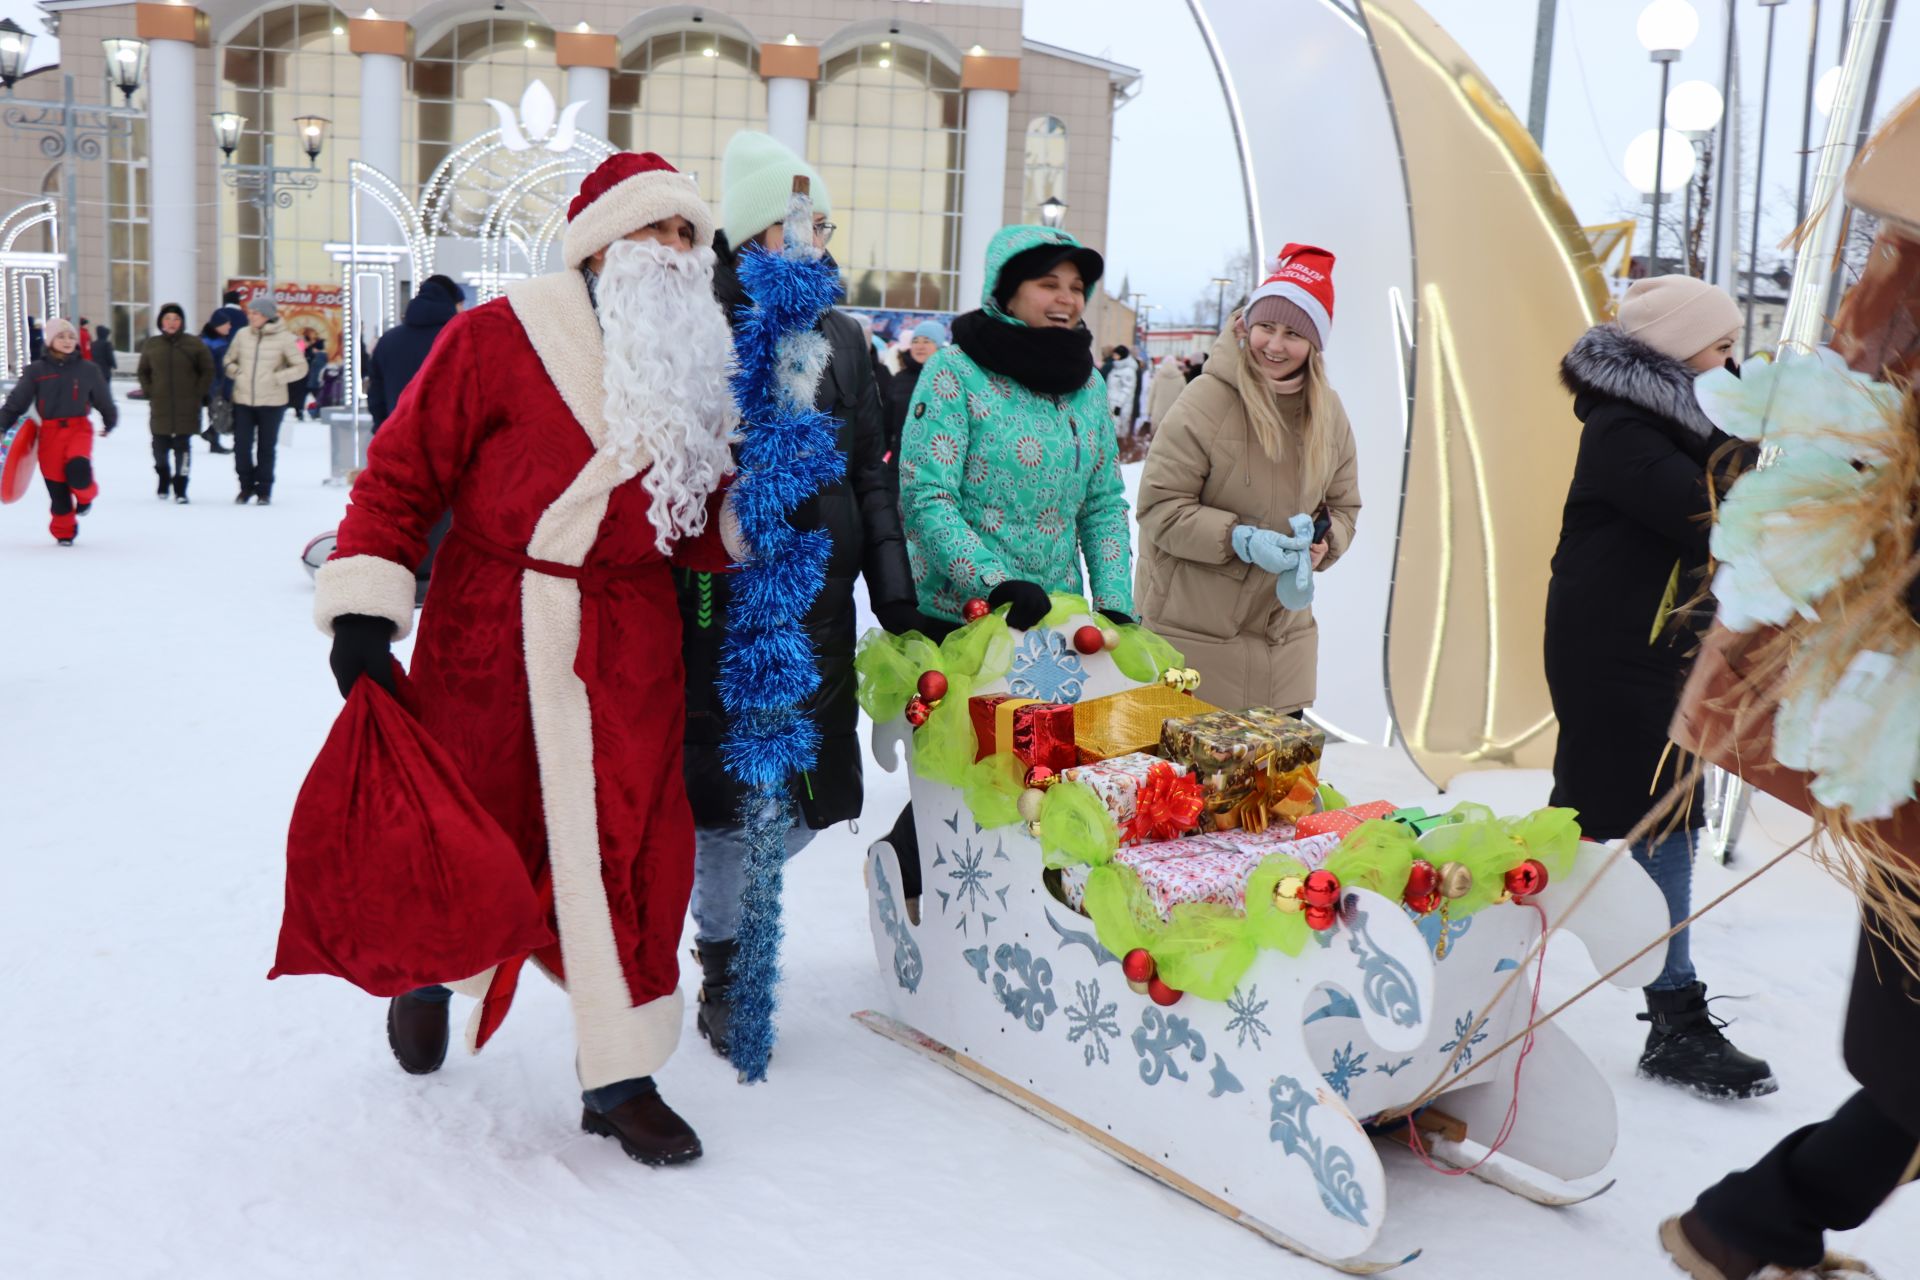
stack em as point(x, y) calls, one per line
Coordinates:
point(757, 175)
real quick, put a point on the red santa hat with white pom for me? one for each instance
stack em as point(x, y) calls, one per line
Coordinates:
point(1297, 293)
point(628, 191)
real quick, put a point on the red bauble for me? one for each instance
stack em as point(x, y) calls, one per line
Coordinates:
point(1321, 889)
point(1423, 903)
point(1089, 640)
point(1422, 880)
point(1160, 993)
point(975, 609)
point(1137, 964)
point(933, 685)
point(917, 711)
point(1320, 918)
point(1527, 879)
point(1040, 777)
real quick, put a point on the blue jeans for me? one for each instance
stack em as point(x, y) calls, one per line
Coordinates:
point(720, 873)
point(1670, 863)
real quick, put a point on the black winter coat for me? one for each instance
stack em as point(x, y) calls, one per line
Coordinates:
point(899, 399)
point(862, 514)
point(401, 351)
point(60, 387)
point(1633, 547)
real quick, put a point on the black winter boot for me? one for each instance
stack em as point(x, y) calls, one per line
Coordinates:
point(716, 1000)
point(1685, 1048)
point(417, 1033)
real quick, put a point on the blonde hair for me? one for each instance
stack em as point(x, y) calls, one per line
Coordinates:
point(1262, 406)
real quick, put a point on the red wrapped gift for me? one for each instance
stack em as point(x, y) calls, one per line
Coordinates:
point(1039, 733)
point(1340, 822)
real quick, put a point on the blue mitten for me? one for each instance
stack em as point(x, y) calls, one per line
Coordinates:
point(1243, 536)
point(1295, 586)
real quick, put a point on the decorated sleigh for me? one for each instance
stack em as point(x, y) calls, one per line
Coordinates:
point(1226, 1026)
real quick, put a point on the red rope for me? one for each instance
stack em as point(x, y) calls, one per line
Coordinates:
point(1519, 1061)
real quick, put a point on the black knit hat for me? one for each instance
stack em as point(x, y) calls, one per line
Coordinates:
point(1031, 264)
point(446, 287)
point(173, 309)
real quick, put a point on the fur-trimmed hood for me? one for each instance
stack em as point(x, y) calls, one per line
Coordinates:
point(1606, 362)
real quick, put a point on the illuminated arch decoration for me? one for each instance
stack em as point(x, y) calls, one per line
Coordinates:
point(23, 273)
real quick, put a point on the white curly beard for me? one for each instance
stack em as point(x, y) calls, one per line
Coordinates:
point(668, 353)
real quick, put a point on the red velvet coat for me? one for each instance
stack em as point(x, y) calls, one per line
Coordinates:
point(560, 696)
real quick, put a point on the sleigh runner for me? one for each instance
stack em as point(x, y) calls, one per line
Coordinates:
point(1014, 968)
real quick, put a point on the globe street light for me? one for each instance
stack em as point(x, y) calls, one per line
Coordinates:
point(1053, 212)
point(1825, 90)
point(1665, 28)
point(267, 186)
point(15, 43)
point(1695, 106)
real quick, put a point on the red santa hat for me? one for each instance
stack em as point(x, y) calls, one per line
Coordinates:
point(1297, 293)
point(627, 192)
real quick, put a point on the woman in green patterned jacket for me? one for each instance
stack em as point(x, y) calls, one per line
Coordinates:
point(1009, 471)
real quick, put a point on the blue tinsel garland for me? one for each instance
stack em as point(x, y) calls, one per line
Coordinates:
point(787, 454)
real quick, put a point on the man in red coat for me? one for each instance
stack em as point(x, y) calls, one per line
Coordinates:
point(578, 429)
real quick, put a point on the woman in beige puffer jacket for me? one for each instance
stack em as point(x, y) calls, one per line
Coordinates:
point(263, 360)
point(1209, 474)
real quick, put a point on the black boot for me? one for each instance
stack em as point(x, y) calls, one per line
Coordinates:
point(1685, 1047)
point(716, 1001)
point(166, 485)
point(647, 1129)
point(417, 1033)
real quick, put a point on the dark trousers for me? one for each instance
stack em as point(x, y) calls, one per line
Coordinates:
point(1826, 1177)
point(256, 434)
point(173, 462)
point(297, 399)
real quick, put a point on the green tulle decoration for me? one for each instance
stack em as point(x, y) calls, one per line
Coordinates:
point(993, 788)
point(1267, 924)
point(1065, 606)
point(1075, 827)
point(1376, 855)
point(889, 668)
point(1331, 798)
point(1142, 656)
point(1550, 835)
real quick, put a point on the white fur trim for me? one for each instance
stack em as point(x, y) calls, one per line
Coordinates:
point(368, 585)
point(1299, 297)
point(558, 318)
point(624, 208)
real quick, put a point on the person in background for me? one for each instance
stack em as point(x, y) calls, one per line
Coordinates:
point(61, 387)
point(316, 372)
point(1633, 547)
point(1169, 380)
point(103, 353)
point(297, 390)
point(36, 339)
point(263, 361)
point(1251, 487)
point(1123, 380)
point(396, 358)
point(217, 334)
point(176, 372)
point(86, 338)
point(928, 337)
point(861, 516)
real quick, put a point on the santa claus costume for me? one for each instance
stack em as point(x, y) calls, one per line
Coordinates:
point(578, 430)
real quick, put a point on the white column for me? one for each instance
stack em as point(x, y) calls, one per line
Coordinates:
point(787, 99)
point(983, 194)
point(593, 86)
point(174, 137)
point(383, 79)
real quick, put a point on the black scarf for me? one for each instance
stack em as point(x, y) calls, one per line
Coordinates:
point(1053, 362)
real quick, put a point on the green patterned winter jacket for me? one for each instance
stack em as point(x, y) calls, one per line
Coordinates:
point(998, 482)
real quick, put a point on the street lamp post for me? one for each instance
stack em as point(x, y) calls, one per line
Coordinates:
point(1220, 308)
point(1759, 173)
point(1053, 212)
point(1695, 109)
point(267, 186)
point(1806, 115)
point(69, 131)
point(1665, 28)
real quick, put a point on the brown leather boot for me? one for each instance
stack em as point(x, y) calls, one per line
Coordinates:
point(649, 1130)
point(417, 1033)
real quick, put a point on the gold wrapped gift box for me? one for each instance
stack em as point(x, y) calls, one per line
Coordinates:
point(1122, 723)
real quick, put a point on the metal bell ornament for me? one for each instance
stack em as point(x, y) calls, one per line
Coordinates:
point(1422, 893)
point(1456, 880)
point(1527, 879)
point(1041, 777)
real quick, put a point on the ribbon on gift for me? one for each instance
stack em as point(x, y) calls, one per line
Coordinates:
point(1167, 804)
point(1285, 796)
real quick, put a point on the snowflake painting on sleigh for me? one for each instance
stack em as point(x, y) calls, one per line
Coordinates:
point(1046, 667)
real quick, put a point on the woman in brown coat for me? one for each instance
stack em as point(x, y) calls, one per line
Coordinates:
point(1256, 441)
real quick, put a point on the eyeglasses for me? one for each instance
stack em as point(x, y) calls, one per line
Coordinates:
point(823, 231)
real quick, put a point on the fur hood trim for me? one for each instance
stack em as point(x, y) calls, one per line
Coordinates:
point(1607, 362)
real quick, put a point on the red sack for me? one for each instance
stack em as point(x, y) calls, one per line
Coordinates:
point(396, 877)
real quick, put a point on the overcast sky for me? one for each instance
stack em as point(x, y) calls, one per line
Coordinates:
point(1178, 206)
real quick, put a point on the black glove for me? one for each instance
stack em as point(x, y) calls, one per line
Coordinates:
point(1116, 617)
point(900, 618)
point(1029, 600)
point(362, 646)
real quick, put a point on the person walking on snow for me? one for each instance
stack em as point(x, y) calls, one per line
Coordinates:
point(1169, 380)
point(1633, 547)
point(1123, 380)
point(61, 387)
point(103, 353)
point(176, 372)
point(1250, 488)
point(397, 357)
point(263, 360)
point(860, 514)
point(580, 430)
point(217, 334)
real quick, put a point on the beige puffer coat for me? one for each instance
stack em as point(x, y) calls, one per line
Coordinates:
point(263, 362)
point(1205, 475)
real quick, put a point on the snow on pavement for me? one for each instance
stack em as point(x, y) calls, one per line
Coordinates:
point(171, 1113)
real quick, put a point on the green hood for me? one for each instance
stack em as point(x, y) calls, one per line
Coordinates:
point(1008, 243)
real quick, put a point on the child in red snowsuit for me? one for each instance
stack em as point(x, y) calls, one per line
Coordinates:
point(62, 386)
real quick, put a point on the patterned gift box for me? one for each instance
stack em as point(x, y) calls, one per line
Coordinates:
point(1341, 822)
point(1311, 850)
point(1039, 733)
point(1212, 867)
point(1129, 721)
point(1226, 748)
point(1117, 781)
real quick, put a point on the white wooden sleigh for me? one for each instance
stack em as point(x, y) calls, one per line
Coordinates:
point(1252, 1106)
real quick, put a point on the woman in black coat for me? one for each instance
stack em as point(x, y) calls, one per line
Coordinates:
point(862, 515)
point(1632, 553)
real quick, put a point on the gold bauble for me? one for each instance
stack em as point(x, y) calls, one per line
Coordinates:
point(1138, 988)
point(1029, 804)
point(1033, 829)
point(1286, 894)
point(1455, 881)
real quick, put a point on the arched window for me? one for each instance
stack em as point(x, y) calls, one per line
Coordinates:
point(1046, 166)
point(284, 63)
point(886, 137)
point(494, 57)
point(684, 94)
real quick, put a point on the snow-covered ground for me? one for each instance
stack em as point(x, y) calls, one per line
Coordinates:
point(167, 1112)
